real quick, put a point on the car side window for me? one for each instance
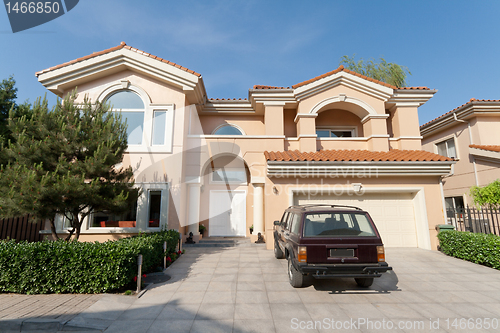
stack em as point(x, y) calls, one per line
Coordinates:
point(289, 221)
point(283, 220)
point(296, 224)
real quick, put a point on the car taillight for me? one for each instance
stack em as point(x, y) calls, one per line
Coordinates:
point(380, 254)
point(302, 254)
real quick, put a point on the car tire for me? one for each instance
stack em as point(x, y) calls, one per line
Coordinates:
point(294, 276)
point(364, 282)
point(277, 251)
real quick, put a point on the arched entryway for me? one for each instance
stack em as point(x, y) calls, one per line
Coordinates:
point(224, 196)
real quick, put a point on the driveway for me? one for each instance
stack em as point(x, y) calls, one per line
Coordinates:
point(245, 289)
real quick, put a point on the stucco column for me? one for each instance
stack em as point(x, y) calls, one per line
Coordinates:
point(306, 131)
point(273, 118)
point(258, 206)
point(194, 191)
point(375, 129)
point(405, 127)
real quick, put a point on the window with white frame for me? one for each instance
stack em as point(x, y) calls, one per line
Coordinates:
point(131, 108)
point(447, 148)
point(159, 127)
point(149, 211)
point(336, 132)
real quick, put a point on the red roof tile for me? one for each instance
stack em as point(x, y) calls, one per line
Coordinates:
point(121, 46)
point(472, 100)
point(487, 147)
point(342, 69)
point(394, 155)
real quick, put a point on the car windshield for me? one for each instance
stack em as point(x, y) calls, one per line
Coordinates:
point(337, 224)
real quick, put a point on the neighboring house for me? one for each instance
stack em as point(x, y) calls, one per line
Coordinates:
point(339, 138)
point(470, 134)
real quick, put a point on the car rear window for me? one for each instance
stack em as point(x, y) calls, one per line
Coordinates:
point(337, 224)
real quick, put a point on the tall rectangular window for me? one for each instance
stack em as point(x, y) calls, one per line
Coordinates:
point(159, 127)
point(154, 209)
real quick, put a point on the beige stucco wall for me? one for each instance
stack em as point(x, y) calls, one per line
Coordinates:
point(251, 125)
point(484, 131)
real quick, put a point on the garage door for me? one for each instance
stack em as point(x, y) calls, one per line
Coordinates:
point(393, 214)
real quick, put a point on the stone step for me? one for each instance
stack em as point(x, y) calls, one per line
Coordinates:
point(220, 242)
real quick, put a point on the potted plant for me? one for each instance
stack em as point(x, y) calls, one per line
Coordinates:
point(251, 229)
point(202, 229)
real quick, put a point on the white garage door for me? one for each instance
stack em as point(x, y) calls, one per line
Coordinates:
point(393, 214)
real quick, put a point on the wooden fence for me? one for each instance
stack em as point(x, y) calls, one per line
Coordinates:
point(20, 228)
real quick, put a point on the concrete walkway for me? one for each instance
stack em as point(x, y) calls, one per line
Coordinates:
point(245, 289)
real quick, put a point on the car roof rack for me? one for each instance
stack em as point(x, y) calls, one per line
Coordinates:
point(323, 205)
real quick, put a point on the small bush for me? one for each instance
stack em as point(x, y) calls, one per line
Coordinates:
point(79, 267)
point(478, 248)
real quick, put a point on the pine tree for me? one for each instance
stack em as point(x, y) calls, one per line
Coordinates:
point(8, 96)
point(64, 161)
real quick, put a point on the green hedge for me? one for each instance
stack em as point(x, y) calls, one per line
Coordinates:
point(478, 248)
point(79, 267)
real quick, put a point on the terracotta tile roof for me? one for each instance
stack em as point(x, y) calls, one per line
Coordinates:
point(268, 87)
point(487, 147)
point(394, 155)
point(472, 100)
point(121, 46)
point(342, 69)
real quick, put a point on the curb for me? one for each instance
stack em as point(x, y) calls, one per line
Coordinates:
point(31, 324)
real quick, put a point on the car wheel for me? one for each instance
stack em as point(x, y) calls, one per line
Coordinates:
point(277, 251)
point(364, 282)
point(294, 276)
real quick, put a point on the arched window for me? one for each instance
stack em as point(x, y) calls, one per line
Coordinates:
point(227, 130)
point(131, 107)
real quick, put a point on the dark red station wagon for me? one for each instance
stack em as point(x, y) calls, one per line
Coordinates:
point(329, 241)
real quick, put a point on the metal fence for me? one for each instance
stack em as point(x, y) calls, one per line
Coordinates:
point(484, 220)
point(20, 228)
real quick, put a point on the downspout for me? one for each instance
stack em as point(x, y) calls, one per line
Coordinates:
point(470, 143)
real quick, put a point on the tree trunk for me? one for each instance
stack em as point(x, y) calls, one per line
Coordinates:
point(53, 228)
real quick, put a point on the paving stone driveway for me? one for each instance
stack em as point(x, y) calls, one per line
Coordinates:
point(245, 289)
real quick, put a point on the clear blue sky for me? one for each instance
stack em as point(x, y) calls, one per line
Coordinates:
point(451, 46)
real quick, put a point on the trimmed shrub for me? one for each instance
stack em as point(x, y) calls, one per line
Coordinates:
point(483, 249)
point(79, 267)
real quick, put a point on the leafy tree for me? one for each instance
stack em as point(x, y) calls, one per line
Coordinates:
point(488, 195)
point(384, 71)
point(64, 161)
point(8, 95)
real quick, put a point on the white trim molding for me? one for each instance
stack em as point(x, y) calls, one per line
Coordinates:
point(493, 156)
point(363, 169)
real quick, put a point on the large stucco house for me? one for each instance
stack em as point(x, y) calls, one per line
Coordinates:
point(229, 164)
point(469, 134)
